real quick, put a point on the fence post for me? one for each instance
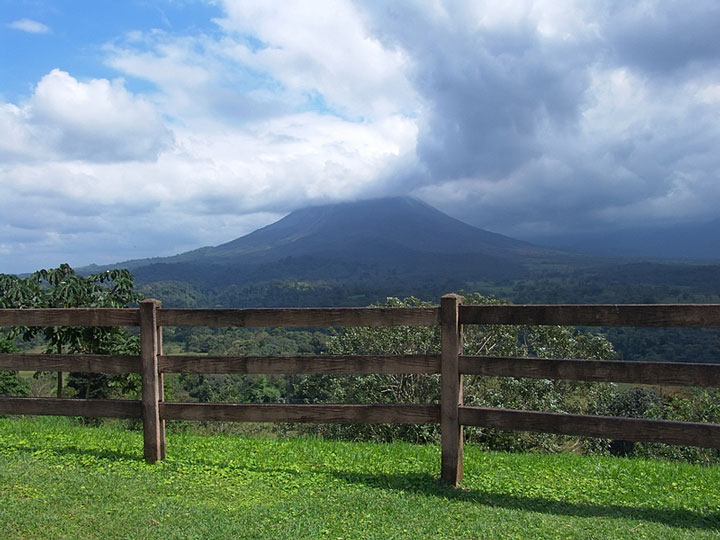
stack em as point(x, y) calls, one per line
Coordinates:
point(161, 389)
point(153, 444)
point(450, 391)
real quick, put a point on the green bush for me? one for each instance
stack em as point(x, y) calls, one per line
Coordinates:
point(510, 393)
point(10, 383)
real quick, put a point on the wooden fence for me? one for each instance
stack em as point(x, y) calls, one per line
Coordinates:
point(451, 414)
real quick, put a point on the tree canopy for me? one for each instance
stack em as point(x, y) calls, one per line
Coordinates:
point(62, 287)
point(491, 340)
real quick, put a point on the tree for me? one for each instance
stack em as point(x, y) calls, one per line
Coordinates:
point(10, 383)
point(495, 340)
point(246, 342)
point(62, 287)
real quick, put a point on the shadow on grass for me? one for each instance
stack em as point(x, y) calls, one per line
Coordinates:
point(426, 484)
point(429, 485)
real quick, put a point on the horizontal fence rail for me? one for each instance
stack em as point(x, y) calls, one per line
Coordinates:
point(652, 373)
point(70, 317)
point(86, 363)
point(300, 317)
point(662, 315)
point(345, 414)
point(296, 317)
point(335, 364)
point(451, 364)
point(93, 408)
point(609, 427)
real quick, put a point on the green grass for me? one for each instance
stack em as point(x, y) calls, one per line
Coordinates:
point(59, 480)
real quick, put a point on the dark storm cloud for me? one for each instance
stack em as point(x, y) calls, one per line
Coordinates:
point(592, 122)
point(664, 37)
point(487, 92)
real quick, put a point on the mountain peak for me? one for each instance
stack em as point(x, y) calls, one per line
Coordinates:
point(396, 234)
point(403, 222)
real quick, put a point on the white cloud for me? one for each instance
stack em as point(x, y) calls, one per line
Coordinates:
point(517, 115)
point(94, 121)
point(212, 184)
point(272, 58)
point(18, 142)
point(326, 49)
point(29, 26)
point(177, 66)
point(274, 165)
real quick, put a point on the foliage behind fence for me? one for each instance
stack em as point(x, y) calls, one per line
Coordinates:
point(451, 413)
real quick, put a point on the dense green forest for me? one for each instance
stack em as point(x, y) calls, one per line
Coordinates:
point(637, 283)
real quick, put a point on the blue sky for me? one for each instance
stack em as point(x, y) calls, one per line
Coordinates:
point(144, 128)
point(76, 31)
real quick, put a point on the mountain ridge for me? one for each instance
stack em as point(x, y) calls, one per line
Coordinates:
point(696, 242)
point(370, 231)
point(360, 253)
point(407, 222)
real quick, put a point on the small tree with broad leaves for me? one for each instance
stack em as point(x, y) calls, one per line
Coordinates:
point(62, 287)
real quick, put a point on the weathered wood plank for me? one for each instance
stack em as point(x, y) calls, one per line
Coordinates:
point(451, 391)
point(663, 315)
point(87, 363)
point(107, 408)
point(161, 392)
point(656, 373)
point(609, 427)
point(70, 317)
point(299, 317)
point(150, 383)
point(342, 414)
point(334, 364)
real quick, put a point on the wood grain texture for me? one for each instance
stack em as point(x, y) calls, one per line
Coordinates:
point(628, 429)
point(150, 380)
point(107, 408)
point(451, 438)
point(663, 315)
point(70, 317)
point(86, 363)
point(343, 414)
point(655, 373)
point(161, 392)
point(299, 317)
point(332, 364)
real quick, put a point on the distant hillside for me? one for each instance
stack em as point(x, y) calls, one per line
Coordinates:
point(692, 241)
point(356, 254)
point(394, 238)
point(365, 230)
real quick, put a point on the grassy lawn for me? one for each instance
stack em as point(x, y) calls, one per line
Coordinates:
point(61, 480)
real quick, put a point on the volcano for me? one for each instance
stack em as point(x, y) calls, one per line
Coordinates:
point(371, 239)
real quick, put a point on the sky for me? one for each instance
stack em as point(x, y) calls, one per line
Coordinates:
point(150, 127)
